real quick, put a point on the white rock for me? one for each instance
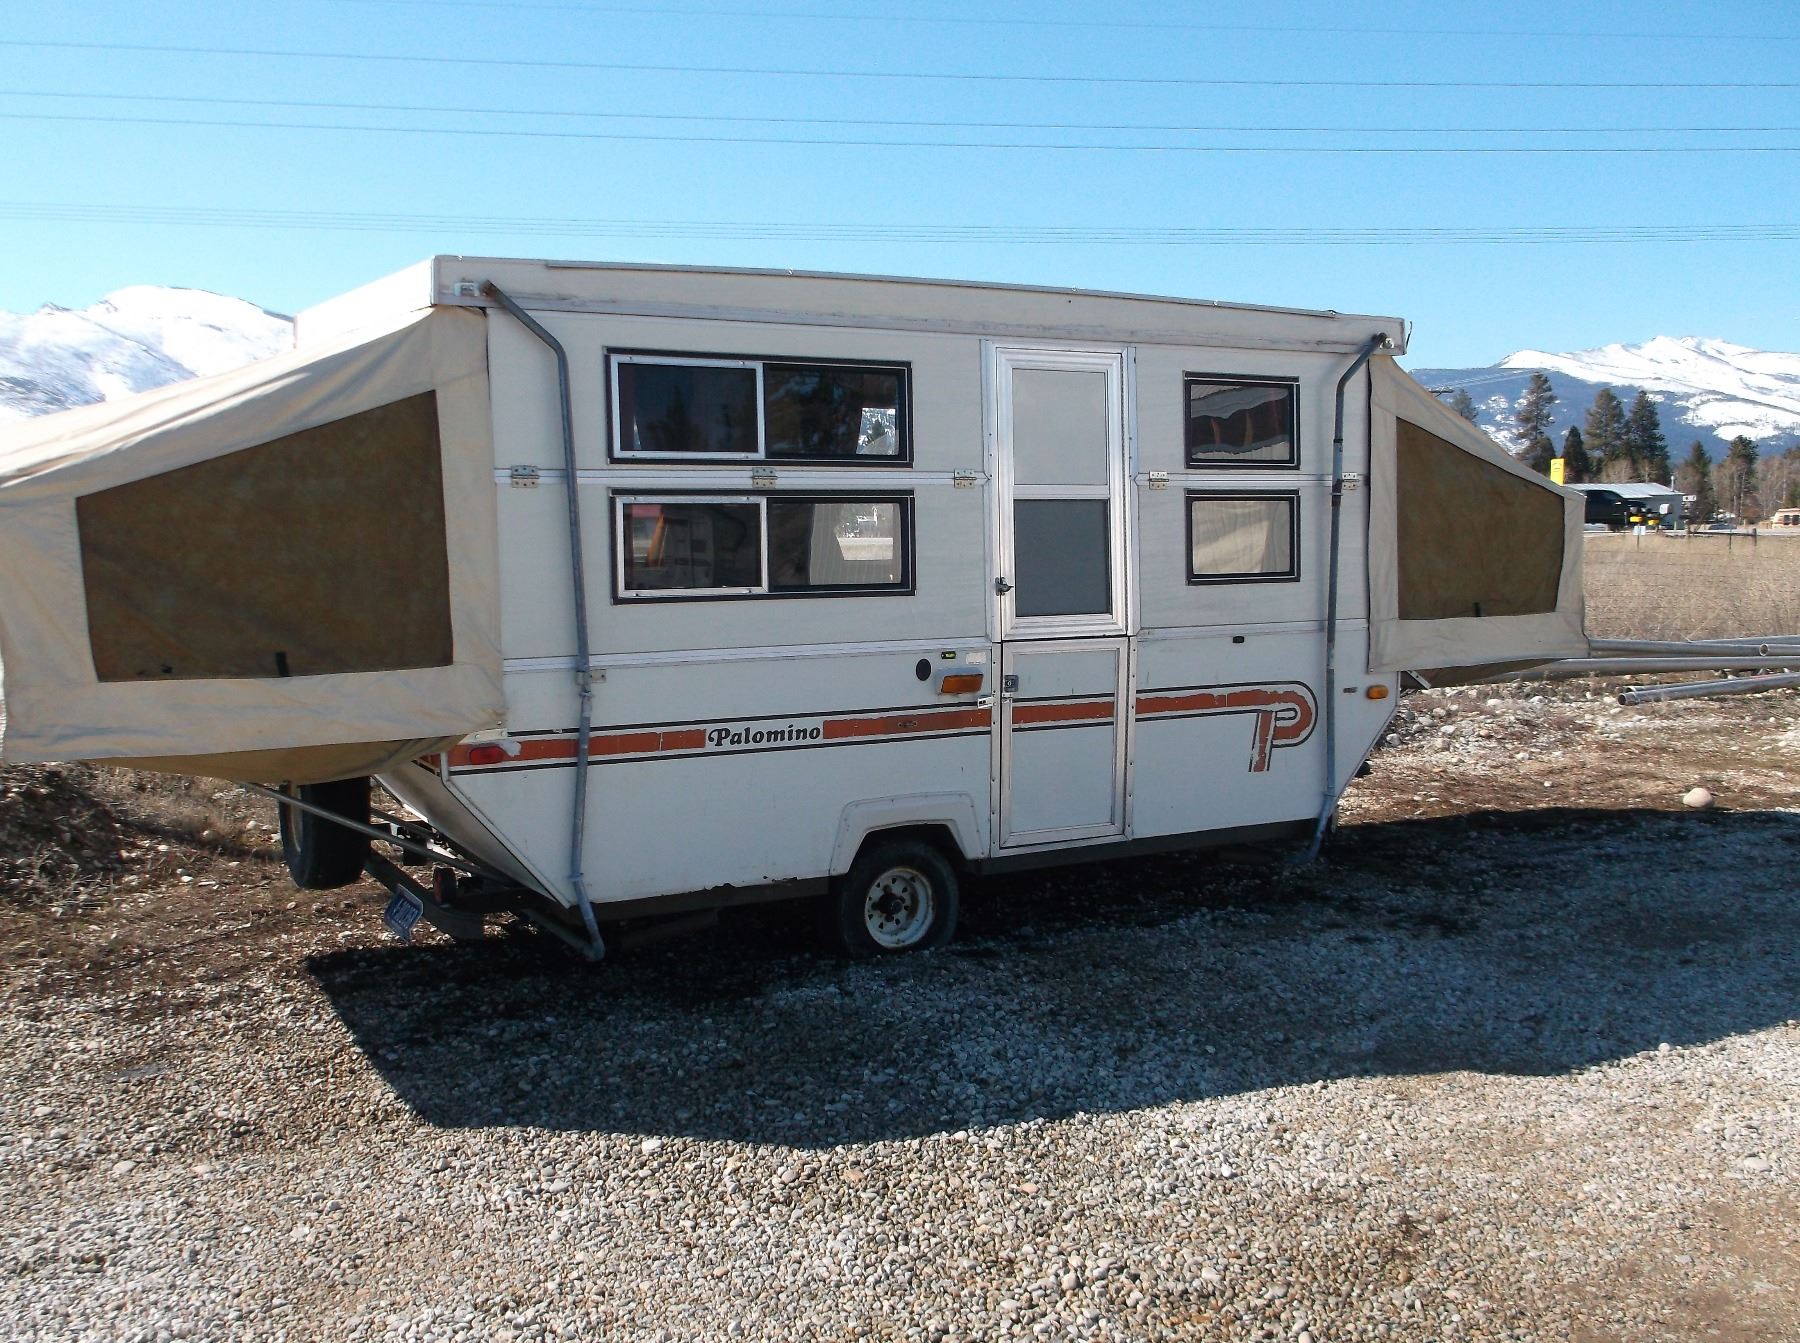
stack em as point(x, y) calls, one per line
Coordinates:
point(1697, 798)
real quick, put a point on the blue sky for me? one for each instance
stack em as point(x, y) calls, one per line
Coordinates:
point(104, 192)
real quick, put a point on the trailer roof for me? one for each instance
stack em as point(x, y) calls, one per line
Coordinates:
point(846, 299)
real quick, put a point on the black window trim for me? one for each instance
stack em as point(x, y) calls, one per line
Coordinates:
point(615, 513)
point(1291, 384)
point(1290, 497)
point(760, 362)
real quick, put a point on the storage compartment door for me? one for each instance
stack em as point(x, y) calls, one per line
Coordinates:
point(1474, 559)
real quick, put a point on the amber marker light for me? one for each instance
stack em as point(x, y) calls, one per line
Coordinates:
point(1376, 692)
point(961, 683)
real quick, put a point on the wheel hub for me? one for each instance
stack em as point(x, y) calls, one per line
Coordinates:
point(899, 908)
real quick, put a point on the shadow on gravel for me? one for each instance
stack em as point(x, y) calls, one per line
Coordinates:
point(1526, 943)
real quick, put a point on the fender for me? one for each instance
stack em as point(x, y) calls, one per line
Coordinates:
point(861, 819)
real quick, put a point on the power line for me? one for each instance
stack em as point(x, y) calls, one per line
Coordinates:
point(811, 142)
point(1126, 24)
point(1008, 234)
point(784, 73)
point(740, 119)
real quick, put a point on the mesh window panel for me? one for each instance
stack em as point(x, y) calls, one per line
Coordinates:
point(316, 553)
point(1060, 552)
point(1473, 539)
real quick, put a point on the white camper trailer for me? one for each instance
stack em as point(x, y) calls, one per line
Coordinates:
point(654, 590)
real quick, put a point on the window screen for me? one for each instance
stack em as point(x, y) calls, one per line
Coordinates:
point(1240, 424)
point(1243, 538)
point(1473, 539)
point(678, 410)
point(820, 544)
point(825, 411)
point(1060, 551)
point(317, 553)
point(696, 545)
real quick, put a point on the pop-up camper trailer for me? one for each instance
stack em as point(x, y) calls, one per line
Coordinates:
point(654, 590)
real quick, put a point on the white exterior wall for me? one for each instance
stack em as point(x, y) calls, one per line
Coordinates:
point(671, 818)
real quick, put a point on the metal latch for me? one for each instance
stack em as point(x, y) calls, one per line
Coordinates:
point(965, 480)
point(1158, 480)
point(762, 478)
point(1351, 481)
point(523, 477)
point(1001, 587)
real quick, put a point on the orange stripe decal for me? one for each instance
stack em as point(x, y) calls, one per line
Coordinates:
point(1089, 711)
point(899, 724)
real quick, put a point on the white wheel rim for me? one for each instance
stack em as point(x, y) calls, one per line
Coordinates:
point(899, 907)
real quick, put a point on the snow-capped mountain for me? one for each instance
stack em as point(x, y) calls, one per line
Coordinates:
point(140, 337)
point(1708, 390)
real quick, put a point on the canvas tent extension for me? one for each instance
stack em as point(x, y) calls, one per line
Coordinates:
point(287, 571)
point(1474, 559)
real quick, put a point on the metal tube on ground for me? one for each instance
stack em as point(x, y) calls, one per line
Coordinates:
point(1693, 647)
point(1741, 685)
point(1568, 667)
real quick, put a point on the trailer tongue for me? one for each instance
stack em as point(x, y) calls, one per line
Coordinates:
point(545, 547)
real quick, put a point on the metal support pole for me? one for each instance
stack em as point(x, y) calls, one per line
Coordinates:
point(1328, 703)
point(584, 675)
point(430, 855)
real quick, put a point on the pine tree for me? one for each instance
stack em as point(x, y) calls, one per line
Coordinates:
point(1577, 468)
point(1740, 457)
point(1694, 476)
point(1604, 433)
point(1533, 411)
point(1644, 440)
point(1538, 454)
point(1463, 404)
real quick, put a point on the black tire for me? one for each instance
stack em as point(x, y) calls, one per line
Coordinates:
point(899, 895)
point(321, 856)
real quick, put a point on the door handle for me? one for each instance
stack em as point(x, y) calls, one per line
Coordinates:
point(1009, 684)
point(1002, 587)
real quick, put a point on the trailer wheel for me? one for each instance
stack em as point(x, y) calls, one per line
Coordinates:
point(321, 856)
point(899, 895)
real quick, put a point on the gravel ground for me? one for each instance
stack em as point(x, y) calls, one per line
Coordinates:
point(1514, 1062)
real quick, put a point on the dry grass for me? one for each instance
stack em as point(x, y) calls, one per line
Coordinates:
point(1706, 586)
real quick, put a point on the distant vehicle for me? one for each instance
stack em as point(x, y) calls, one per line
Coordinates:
point(1784, 517)
point(1617, 513)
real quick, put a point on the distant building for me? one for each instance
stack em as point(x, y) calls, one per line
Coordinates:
point(1627, 505)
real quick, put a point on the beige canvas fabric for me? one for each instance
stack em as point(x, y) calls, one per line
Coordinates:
point(1473, 558)
point(195, 470)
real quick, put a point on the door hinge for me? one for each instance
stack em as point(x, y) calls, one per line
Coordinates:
point(1351, 481)
point(762, 478)
point(523, 477)
point(1158, 480)
point(965, 480)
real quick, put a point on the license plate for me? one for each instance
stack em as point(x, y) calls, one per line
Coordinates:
point(403, 912)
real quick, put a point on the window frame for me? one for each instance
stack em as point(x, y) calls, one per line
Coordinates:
point(618, 499)
point(1289, 385)
point(616, 451)
point(1289, 497)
